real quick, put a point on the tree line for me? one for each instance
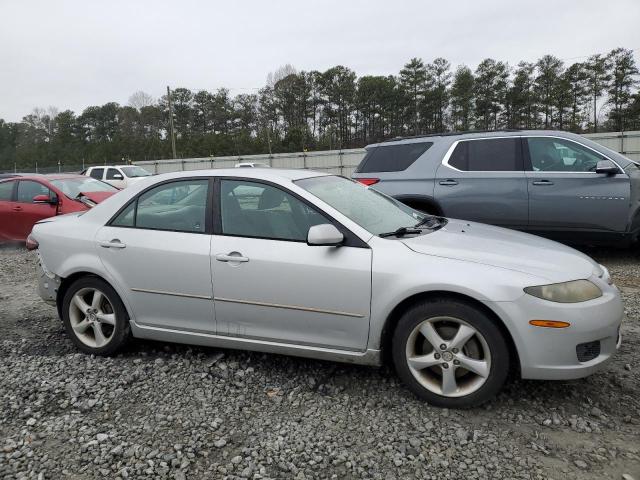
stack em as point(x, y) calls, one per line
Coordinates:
point(299, 110)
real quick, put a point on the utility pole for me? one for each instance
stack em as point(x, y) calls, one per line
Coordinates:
point(173, 137)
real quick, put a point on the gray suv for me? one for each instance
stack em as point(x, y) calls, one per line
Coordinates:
point(556, 184)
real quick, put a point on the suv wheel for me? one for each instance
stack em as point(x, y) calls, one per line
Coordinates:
point(94, 316)
point(450, 354)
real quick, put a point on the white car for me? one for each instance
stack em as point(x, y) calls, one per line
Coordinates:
point(120, 176)
point(305, 263)
point(251, 165)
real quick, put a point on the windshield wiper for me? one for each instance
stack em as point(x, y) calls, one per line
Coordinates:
point(428, 221)
point(400, 232)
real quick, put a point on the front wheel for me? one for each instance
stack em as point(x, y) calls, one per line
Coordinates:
point(450, 353)
point(94, 316)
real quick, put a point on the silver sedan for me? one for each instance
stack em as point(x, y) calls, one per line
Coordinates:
point(304, 263)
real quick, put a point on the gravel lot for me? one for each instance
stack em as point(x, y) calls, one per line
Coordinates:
point(173, 411)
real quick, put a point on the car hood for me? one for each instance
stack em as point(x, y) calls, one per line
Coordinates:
point(509, 249)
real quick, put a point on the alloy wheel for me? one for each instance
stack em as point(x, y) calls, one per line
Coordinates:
point(92, 317)
point(448, 356)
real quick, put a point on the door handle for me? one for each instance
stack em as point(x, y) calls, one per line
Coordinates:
point(231, 257)
point(115, 243)
point(543, 182)
point(17, 209)
point(448, 182)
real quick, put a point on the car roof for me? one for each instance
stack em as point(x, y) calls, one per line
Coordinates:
point(455, 136)
point(46, 177)
point(274, 174)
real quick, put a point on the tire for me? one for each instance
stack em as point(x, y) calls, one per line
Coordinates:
point(421, 365)
point(102, 332)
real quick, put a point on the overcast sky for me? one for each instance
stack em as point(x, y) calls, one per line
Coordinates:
point(72, 54)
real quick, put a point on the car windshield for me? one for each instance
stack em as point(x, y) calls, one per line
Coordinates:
point(134, 172)
point(375, 212)
point(72, 187)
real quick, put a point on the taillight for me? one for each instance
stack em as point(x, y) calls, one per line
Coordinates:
point(368, 181)
point(31, 243)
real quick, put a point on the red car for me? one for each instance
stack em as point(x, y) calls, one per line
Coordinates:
point(26, 199)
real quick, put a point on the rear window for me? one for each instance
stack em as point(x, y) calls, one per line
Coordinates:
point(490, 155)
point(392, 158)
point(97, 173)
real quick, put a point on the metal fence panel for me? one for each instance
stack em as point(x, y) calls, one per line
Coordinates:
point(344, 162)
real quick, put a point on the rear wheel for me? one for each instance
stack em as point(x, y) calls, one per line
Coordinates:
point(450, 353)
point(94, 316)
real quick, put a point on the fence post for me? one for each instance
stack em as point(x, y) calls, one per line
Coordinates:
point(341, 157)
point(622, 142)
point(155, 167)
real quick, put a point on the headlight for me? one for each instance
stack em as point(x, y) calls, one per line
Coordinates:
point(568, 292)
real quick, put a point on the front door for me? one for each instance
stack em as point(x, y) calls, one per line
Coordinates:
point(26, 213)
point(483, 180)
point(157, 251)
point(270, 285)
point(566, 194)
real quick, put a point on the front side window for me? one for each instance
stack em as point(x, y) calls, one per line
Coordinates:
point(252, 209)
point(549, 154)
point(487, 155)
point(177, 206)
point(6, 191)
point(372, 210)
point(392, 158)
point(113, 174)
point(27, 189)
point(97, 173)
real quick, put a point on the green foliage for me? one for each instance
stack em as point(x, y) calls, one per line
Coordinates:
point(334, 109)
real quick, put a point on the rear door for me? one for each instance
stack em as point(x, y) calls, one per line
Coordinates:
point(6, 210)
point(26, 213)
point(96, 172)
point(157, 250)
point(484, 180)
point(565, 192)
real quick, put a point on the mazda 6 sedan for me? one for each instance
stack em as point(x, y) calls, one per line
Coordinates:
point(304, 263)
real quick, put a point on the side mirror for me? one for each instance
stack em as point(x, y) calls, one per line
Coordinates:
point(324, 235)
point(607, 167)
point(45, 199)
point(117, 176)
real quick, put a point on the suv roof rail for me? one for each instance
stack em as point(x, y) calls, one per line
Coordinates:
point(449, 134)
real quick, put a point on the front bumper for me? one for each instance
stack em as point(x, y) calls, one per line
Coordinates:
point(48, 283)
point(551, 353)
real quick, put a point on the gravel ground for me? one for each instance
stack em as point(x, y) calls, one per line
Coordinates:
point(173, 411)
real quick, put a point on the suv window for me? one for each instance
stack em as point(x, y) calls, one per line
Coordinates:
point(392, 158)
point(487, 155)
point(27, 189)
point(6, 190)
point(252, 209)
point(97, 173)
point(111, 173)
point(549, 154)
point(177, 206)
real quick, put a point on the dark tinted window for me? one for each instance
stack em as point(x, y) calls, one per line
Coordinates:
point(97, 173)
point(6, 188)
point(392, 158)
point(28, 189)
point(490, 155)
point(111, 174)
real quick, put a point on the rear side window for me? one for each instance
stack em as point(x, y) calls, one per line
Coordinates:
point(97, 173)
point(487, 155)
point(177, 206)
point(6, 189)
point(392, 158)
